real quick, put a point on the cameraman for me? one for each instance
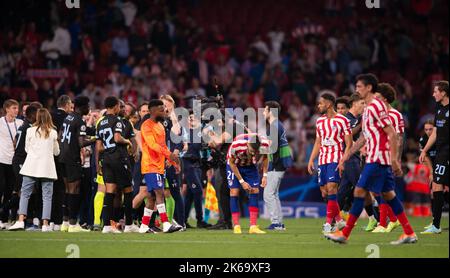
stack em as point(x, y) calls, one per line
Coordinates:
point(193, 172)
point(219, 144)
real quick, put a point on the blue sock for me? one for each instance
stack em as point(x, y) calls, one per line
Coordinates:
point(234, 204)
point(357, 207)
point(396, 205)
point(253, 200)
point(332, 197)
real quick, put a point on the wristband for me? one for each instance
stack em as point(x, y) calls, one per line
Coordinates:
point(265, 175)
point(241, 181)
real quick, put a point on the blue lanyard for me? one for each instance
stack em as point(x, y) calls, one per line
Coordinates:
point(9, 130)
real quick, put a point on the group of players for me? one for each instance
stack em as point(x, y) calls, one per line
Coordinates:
point(144, 155)
point(346, 181)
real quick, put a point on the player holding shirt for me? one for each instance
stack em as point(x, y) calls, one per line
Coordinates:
point(243, 154)
point(377, 175)
point(154, 155)
point(332, 130)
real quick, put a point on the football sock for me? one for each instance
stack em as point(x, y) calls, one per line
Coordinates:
point(107, 209)
point(65, 206)
point(332, 209)
point(128, 204)
point(162, 212)
point(253, 208)
point(98, 206)
point(369, 210)
point(438, 200)
point(234, 206)
point(391, 215)
point(74, 208)
point(383, 214)
point(170, 206)
point(146, 217)
point(355, 212)
point(397, 208)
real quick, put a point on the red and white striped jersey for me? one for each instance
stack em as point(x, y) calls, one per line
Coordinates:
point(332, 137)
point(398, 123)
point(238, 150)
point(375, 118)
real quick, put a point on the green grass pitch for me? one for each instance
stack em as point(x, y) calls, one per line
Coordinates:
point(302, 239)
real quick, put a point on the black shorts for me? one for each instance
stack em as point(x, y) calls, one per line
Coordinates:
point(117, 171)
point(441, 167)
point(72, 171)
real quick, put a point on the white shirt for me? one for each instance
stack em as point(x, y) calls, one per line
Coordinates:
point(6, 144)
point(63, 40)
point(51, 49)
point(40, 162)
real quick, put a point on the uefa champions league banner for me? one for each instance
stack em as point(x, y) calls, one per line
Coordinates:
point(297, 210)
point(301, 197)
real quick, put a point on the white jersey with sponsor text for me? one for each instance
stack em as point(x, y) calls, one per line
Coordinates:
point(332, 132)
point(375, 119)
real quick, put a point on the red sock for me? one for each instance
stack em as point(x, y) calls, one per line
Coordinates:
point(337, 212)
point(405, 223)
point(330, 212)
point(383, 214)
point(349, 226)
point(146, 220)
point(253, 215)
point(163, 217)
point(391, 215)
point(235, 216)
point(162, 212)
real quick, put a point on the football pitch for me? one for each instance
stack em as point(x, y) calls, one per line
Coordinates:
point(302, 239)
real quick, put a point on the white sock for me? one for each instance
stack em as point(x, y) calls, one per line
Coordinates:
point(161, 208)
point(372, 217)
point(65, 223)
point(148, 212)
